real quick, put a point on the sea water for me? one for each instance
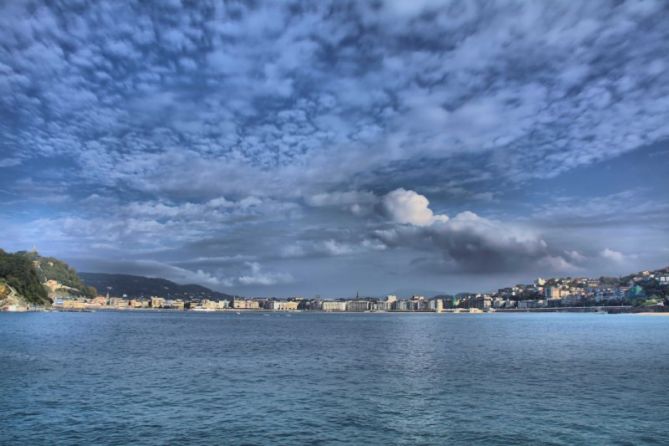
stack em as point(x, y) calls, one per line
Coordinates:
point(143, 377)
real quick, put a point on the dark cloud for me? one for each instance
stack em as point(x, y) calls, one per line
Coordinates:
point(469, 243)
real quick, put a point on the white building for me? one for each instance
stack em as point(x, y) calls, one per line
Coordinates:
point(330, 305)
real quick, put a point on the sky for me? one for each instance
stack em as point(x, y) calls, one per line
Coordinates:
point(328, 148)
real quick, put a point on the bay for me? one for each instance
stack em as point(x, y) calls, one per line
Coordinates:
point(116, 378)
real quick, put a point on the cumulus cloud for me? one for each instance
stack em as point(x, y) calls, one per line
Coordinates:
point(407, 206)
point(475, 244)
point(470, 242)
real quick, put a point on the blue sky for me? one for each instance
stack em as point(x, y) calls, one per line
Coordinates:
point(281, 148)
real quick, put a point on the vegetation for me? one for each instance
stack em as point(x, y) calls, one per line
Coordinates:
point(18, 271)
point(50, 268)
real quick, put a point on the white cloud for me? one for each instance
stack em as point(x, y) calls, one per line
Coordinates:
point(233, 112)
point(612, 255)
point(258, 276)
point(407, 206)
point(329, 248)
point(348, 198)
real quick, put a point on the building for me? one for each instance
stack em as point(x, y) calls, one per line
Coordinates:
point(245, 304)
point(330, 305)
point(525, 304)
point(157, 302)
point(214, 304)
point(401, 305)
point(419, 303)
point(118, 302)
point(552, 292)
point(312, 305)
point(72, 304)
point(573, 299)
point(99, 301)
point(358, 305)
point(282, 305)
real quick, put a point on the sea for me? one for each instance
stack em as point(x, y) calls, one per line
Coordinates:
point(173, 378)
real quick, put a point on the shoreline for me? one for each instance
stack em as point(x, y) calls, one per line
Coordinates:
point(585, 310)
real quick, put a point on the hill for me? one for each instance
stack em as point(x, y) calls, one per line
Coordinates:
point(144, 287)
point(60, 279)
point(18, 276)
point(31, 279)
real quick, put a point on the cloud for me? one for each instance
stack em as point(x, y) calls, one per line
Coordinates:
point(272, 130)
point(214, 209)
point(468, 241)
point(10, 162)
point(347, 198)
point(329, 248)
point(612, 256)
point(407, 206)
point(472, 243)
point(268, 95)
point(357, 202)
point(259, 277)
point(614, 208)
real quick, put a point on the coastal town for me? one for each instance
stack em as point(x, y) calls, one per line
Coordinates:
point(30, 282)
point(644, 291)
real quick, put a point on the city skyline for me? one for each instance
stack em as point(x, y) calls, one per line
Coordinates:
point(297, 148)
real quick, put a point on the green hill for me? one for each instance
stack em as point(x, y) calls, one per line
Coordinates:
point(38, 280)
point(68, 281)
point(18, 271)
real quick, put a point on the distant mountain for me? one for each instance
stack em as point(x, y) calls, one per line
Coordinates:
point(145, 287)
